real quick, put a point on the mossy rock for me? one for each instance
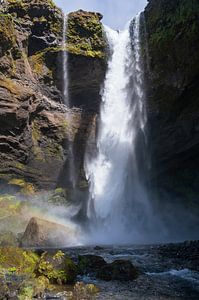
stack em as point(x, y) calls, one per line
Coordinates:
point(23, 7)
point(26, 188)
point(57, 267)
point(7, 33)
point(17, 7)
point(85, 34)
point(58, 197)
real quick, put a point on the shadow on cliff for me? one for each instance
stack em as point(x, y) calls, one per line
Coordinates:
point(79, 192)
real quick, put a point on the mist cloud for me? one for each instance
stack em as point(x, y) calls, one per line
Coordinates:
point(116, 12)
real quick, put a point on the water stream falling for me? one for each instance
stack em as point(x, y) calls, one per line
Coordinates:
point(71, 167)
point(118, 208)
point(65, 62)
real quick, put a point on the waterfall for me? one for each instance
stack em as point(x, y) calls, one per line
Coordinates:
point(65, 62)
point(119, 209)
point(71, 163)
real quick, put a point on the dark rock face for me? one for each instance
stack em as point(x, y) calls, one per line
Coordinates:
point(173, 98)
point(35, 125)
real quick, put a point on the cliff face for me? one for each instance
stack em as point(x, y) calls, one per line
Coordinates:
point(34, 123)
point(173, 97)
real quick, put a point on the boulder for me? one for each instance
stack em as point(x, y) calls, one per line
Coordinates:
point(121, 270)
point(41, 233)
point(90, 264)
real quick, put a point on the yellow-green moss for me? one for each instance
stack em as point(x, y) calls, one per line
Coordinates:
point(10, 85)
point(58, 268)
point(7, 32)
point(9, 206)
point(23, 261)
point(85, 34)
point(20, 166)
point(27, 188)
point(37, 62)
point(26, 293)
point(34, 288)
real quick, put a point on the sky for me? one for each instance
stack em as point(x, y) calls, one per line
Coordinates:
point(116, 12)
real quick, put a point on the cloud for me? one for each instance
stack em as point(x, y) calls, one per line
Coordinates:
point(116, 12)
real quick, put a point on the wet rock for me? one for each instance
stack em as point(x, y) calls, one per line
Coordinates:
point(98, 248)
point(90, 263)
point(42, 233)
point(121, 270)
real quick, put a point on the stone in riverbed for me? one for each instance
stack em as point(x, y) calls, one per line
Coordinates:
point(42, 233)
point(121, 270)
point(90, 263)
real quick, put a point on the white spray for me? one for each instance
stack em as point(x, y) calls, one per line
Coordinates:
point(118, 209)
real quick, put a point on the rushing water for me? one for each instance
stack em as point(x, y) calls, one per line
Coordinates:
point(118, 197)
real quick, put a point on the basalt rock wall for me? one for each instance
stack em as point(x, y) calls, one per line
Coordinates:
point(171, 47)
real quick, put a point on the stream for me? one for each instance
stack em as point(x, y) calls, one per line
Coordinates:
point(167, 271)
